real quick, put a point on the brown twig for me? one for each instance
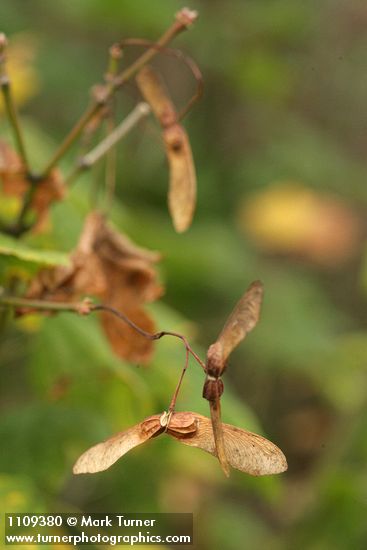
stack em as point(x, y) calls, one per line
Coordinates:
point(85, 307)
point(115, 55)
point(172, 405)
point(140, 111)
point(148, 335)
point(11, 111)
point(189, 62)
point(44, 305)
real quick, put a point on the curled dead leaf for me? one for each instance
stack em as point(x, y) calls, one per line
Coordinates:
point(124, 340)
point(182, 181)
point(14, 183)
point(106, 264)
point(246, 451)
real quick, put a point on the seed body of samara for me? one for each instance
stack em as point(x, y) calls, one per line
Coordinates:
point(245, 451)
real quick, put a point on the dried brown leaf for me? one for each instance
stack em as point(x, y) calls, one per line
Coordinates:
point(124, 340)
point(16, 184)
point(108, 265)
point(10, 164)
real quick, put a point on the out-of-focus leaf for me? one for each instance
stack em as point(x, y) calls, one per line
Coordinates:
point(289, 218)
point(296, 337)
point(194, 270)
point(10, 246)
point(262, 74)
point(40, 451)
point(85, 370)
point(364, 273)
point(342, 373)
point(297, 149)
point(15, 184)
point(24, 77)
point(19, 494)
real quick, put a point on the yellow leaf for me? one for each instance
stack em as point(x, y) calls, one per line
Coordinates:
point(292, 219)
point(24, 78)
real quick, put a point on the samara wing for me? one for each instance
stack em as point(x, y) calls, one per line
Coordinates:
point(103, 455)
point(245, 451)
point(218, 432)
point(242, 320)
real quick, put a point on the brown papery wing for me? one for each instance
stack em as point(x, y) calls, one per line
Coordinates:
point(242, 320)
point(245, 451)
point(182, 177)
point(102, 456)
point(219, 435)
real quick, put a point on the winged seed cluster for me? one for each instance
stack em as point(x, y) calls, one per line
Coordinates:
point(245, 451)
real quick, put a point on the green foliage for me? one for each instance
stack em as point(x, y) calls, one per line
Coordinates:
point(10, 246)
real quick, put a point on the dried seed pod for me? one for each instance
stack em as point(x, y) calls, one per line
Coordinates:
point(240, 322)
point(182, 182)
point(245, 451)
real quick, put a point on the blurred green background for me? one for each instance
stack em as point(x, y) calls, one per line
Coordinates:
point(279, 141)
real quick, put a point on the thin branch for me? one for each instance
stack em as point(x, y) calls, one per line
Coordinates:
point(44, 305)
point(85, 307)
point(140, 111)
point(172, 405)
point(148, 335)
point(178, 54)
point(20, 226)
point(115, 55)
point(110, 168)
point(183, 20)
point(11, 111)
point(87, 161)
point(72, 136)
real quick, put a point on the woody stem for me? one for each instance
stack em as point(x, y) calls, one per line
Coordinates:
point(85, 307)
point(88, 160)
point(150, 336)
point(16, 302)
point(11, 110)
point(172, 405)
